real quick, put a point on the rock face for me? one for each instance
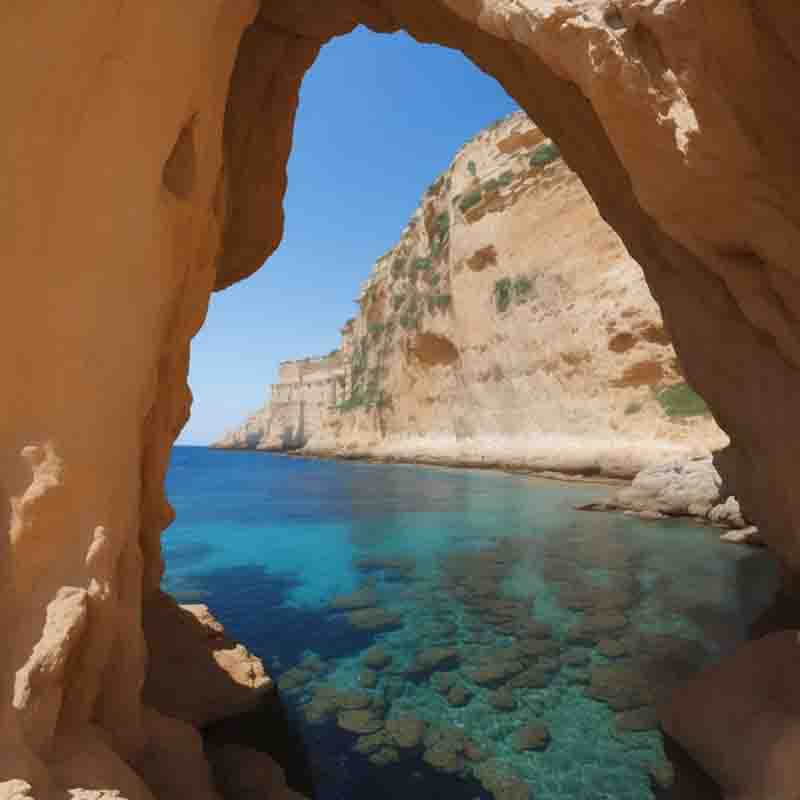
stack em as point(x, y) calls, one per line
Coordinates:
point(507, 326)
point(143, 159)
point(677, 488)
point(297, 407)
point(754, 690)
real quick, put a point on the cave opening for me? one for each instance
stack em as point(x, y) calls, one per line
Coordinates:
point(144, 157)
point(432, 350)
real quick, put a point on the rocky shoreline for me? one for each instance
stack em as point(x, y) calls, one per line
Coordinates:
point(692, 489)
point(689, 488)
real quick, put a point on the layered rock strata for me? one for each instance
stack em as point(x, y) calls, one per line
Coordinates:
point(143, 154)
point(508, 326)
point(297, 407)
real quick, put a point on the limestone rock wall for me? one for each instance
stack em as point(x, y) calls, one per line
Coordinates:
point(508, 325)
point(297, 406)
point(143, 155)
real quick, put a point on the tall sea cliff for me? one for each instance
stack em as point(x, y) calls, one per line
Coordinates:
point(507, 326)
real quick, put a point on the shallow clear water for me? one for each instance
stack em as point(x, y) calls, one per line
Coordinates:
point(499, 606)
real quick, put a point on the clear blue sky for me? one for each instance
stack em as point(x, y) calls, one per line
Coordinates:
point(380, 117)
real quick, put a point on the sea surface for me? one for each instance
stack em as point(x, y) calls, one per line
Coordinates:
point(457, 633)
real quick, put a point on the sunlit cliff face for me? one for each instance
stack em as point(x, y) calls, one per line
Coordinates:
point(144, 158)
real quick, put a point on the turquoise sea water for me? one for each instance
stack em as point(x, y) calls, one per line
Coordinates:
point(498, 609)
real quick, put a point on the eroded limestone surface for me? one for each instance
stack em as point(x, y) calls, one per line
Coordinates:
point(143, 154)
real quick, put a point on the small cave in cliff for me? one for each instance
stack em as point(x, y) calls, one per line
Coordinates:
point(431, 350)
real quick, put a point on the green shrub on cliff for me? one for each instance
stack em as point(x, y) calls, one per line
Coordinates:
point(506, 178)
point(357, 398)
point(439, 302)
point(680, 400)
point(502, 294)
point(409, 321)
point(469, 200)
point(423, 264)
point(545, 154)
point(398, 300)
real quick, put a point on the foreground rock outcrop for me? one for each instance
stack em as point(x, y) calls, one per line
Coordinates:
point(683, 489)
point(143, 154)
point(749, 732)
point(508, 327)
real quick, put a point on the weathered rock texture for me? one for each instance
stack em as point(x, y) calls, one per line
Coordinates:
point(297, 406)
point(508, 326)
point(143, 160)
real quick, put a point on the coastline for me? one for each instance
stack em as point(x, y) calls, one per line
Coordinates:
point(547, 474)
point(673, 483)
point(459, 464)
point(573, 458)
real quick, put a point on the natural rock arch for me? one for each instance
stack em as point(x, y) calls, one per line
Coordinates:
point(144, 152)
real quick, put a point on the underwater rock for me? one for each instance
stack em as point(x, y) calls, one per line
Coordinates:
point(612, 648)
point(317, 711)
point(375, 619)
point(499, 783)
point(368, 678)
point(371, 742)
point(538, 647)
point(443, 681)
point(639, 719)
point(472, 752)
point(443, 759)
point(458, 697)
point(494, 674)
point(531, 678)
point(596, 626)
point(313, 663)
point(434, 659)
point(366, 597)
point(351, 701)
point(376, 658)
point(406, 732)
point(393, 687)
point(534, 629)
point(447, 736)
point(623, 688)
point(597, 598)
point(548, 664)
point(575, 658)
point(532, 737)
point(400, 567)
point(385, 756)
point(502, 699)
point(361, 721)
point(294, 678)
point(661, 774)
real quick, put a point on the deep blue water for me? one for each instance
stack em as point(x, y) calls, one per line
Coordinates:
point(605, 611)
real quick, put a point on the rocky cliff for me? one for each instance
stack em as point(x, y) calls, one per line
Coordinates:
point(144, 150)
point(297, 406)
point(508, 326)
